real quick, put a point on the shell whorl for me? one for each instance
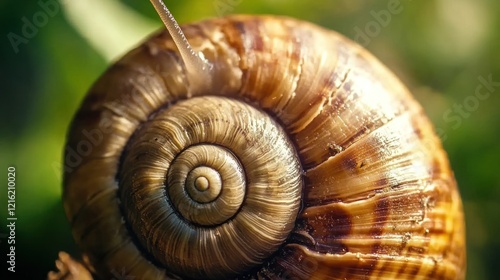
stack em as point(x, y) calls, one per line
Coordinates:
point(235, 150)
point(377, 197)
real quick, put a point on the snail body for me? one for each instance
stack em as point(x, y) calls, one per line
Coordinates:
point(301, 157)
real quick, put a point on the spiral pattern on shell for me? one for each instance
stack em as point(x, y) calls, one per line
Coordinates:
point(305, 159)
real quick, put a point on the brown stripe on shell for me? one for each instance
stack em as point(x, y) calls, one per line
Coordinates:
point(292, 88)
point(381, 212)
point(328, 226)
point(248, 30)
point(386, 153)
point(260, 82)
point(353, 110)
point(349, 163)
point(382, 182)
point(311, 265)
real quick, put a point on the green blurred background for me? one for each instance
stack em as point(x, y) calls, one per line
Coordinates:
point(440, 49)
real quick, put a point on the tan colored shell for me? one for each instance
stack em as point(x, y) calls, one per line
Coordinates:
point(379, 200)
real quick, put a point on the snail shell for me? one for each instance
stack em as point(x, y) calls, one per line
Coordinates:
point(304, 158)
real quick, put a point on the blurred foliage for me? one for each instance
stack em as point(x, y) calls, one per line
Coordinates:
point(440, 49)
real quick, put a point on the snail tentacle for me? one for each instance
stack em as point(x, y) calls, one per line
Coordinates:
point(198, 68)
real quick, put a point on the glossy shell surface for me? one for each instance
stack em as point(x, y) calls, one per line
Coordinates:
point(377, 197)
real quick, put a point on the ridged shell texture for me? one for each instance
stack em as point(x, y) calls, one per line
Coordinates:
point(345, 178)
